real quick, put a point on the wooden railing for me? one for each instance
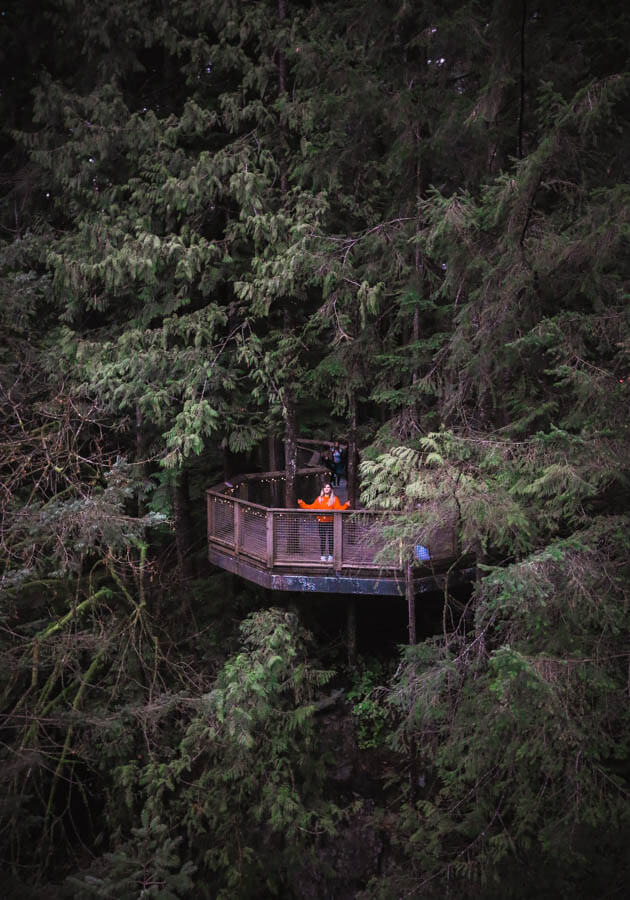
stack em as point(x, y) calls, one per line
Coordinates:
point(287, 539)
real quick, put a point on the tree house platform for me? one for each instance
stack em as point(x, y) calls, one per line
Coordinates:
point(280, 548)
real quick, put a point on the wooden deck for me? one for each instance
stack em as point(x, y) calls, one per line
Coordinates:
point(280, 548)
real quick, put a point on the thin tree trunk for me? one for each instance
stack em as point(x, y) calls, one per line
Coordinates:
point(140, 458)
point(415, 337)
point(141, 507)
point(353, 486)
point(273, 465)
point(289, 411)
point(183, 526)
point(411, 607)
point(420, 272)
point(227, 464)
point(282, 78)
point(352, 631)
point(290, 450)
point(416, 332)
point(272, 456)
point(521, 111)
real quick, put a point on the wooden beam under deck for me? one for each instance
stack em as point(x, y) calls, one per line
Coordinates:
point(331, 582)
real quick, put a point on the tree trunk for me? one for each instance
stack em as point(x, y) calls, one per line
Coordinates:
point(411, 607)
point(272, 456)
point(352, 631)
point(282, 79)
point(183, 527)
point(140, 458)
point(353, 453)
point(228, 464)
point(290, 450)
point(289, 411)
point(273, 465)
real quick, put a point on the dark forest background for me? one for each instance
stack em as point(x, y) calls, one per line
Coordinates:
point(226, 223)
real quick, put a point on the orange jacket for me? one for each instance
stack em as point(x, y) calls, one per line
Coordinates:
point(324, 503)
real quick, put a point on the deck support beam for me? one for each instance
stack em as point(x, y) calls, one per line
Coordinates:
point(352, 631)
point(319, 583)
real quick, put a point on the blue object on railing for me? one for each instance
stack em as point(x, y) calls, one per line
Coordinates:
point(422, 553)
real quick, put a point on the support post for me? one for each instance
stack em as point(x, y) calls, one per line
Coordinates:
point(352, 631)
point(210, 503)
point(411, 602)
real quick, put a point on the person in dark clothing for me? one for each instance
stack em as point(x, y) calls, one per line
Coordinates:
point(326, 460)
point(338, 455)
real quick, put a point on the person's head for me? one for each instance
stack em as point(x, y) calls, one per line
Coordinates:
point(327, 490)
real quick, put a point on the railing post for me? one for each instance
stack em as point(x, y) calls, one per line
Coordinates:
point(337, 540)
point(210, 503)
point(269, 525)
point(243, 490)
point(237, 527)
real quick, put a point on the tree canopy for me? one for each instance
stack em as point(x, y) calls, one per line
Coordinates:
point(223, 222)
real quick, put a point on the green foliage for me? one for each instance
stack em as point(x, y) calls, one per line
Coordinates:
point(147, 865)
point(523, 723)
point(243, 787)
point(368, 709)
point(507, 497)
point(218, 218)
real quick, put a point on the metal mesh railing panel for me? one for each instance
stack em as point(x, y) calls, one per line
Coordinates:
point(253, 538)
point(363, 540)
point(222, 519)
point(368, 539)
point(296, 538)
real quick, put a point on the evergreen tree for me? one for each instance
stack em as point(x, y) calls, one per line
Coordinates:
point(224, 219)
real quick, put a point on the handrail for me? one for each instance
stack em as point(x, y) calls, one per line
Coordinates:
point(279, 538)
point(284, 509)
point(239, 500)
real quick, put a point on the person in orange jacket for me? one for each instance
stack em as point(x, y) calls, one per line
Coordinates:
point(327, 500)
